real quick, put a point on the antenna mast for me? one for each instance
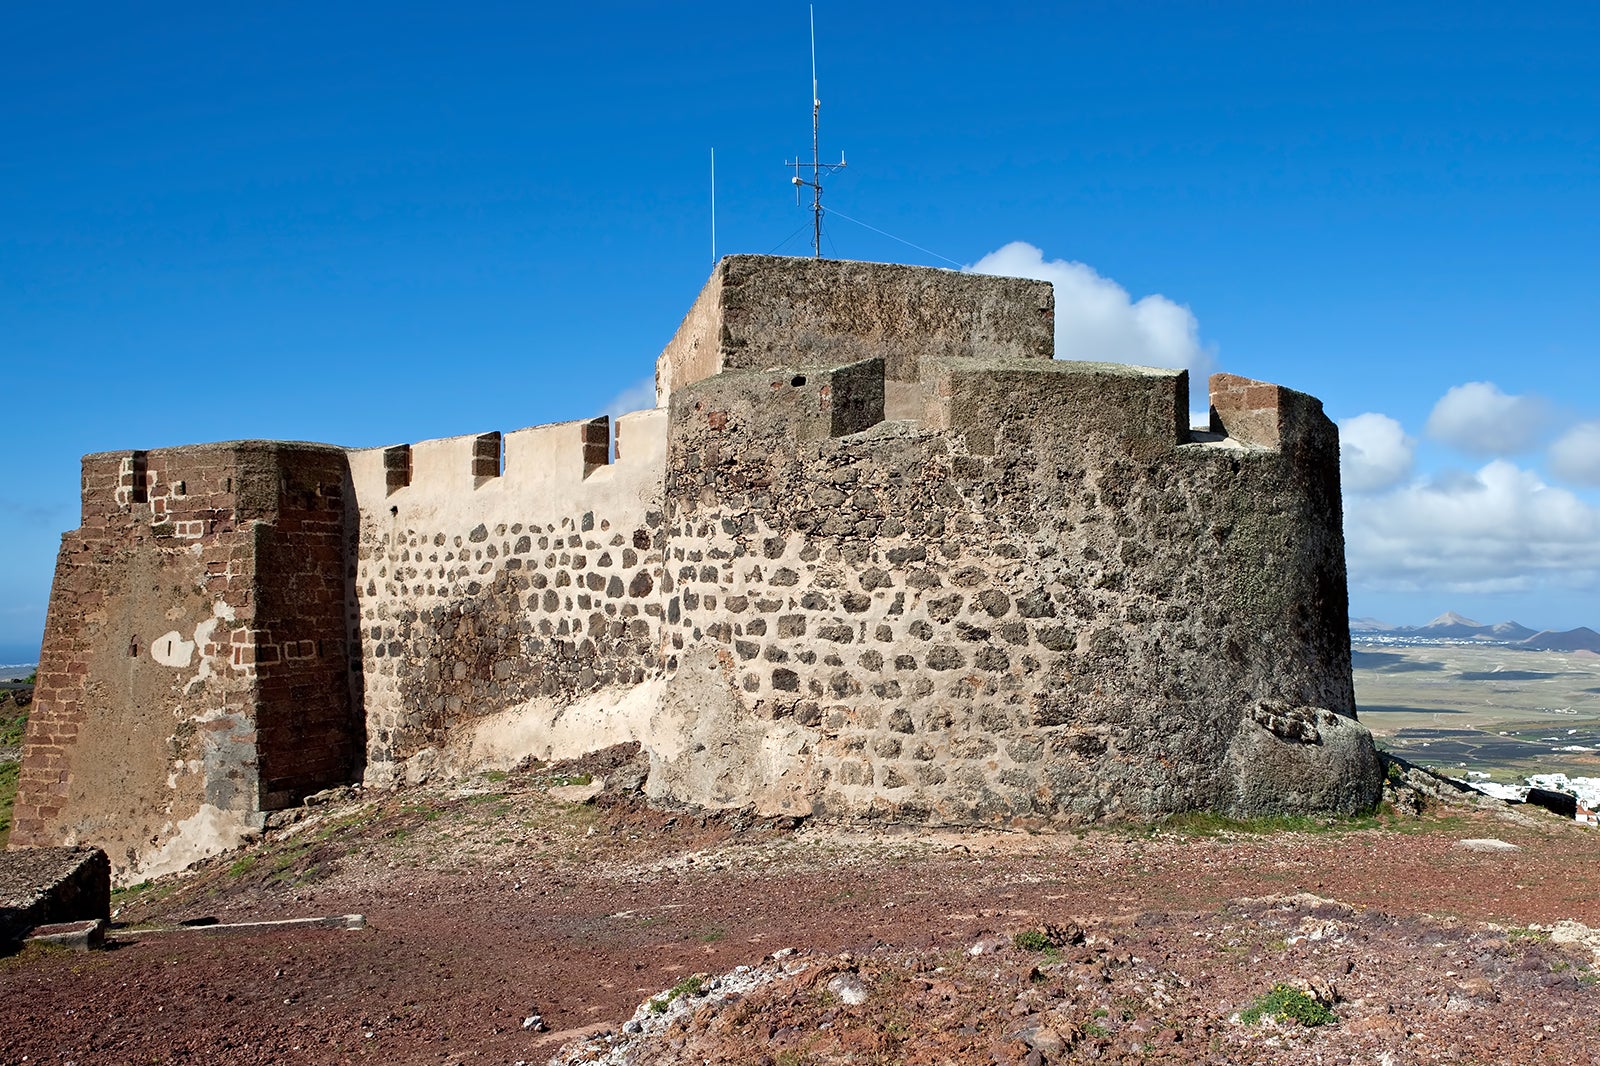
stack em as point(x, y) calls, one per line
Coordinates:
point(816, 166)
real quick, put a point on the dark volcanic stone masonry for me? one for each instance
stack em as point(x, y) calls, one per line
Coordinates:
point(874, 555)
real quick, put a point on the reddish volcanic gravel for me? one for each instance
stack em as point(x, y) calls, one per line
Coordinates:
point(505, 926)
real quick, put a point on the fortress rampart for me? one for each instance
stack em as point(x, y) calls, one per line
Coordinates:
point(874, 555)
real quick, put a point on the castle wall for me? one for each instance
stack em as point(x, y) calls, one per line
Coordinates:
point(177, 697)
point(1056, 609)
point(878, 557)
point(488, 594)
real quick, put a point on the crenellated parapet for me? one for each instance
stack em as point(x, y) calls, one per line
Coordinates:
point(876, 555)
point(512, 573)
point(567, 457)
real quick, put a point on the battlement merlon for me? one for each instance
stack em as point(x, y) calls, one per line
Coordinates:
point(797, 403)
point(242, 479)
point(1263, 415)
point(1080, 399)
point(759, 311)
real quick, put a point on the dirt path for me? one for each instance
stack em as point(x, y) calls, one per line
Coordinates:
point(490, 903)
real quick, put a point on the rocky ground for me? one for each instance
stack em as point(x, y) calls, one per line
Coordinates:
point(518, 919)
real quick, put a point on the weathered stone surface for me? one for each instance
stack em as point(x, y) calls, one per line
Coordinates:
point(878, 557)
point(195, 666)
point(1299, 759)
point(40, 886)
point(761, 311)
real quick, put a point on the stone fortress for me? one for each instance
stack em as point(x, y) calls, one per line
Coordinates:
point(874, 555)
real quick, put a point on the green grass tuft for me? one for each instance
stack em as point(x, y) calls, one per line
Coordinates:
point(1209, 823)
point(1288, 1004)
point(9, 772)
point(687, 987)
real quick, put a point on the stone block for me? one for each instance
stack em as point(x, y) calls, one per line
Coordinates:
point(762, 311)
point(40, 886)
point(1128, 408)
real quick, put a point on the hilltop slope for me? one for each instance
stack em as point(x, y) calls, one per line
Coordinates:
point(496, 900)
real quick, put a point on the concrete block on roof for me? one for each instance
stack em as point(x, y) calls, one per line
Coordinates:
point(761, 311)
point(805, 403)
point(1060, 399)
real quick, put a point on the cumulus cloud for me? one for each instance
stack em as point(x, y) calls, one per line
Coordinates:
point(1479, 419)
point(1498, 529)
point(1575, 456)
point(1374, 453)
point(1096, 319)
point(640, 396)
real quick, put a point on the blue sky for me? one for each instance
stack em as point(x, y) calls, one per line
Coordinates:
point(366, 224)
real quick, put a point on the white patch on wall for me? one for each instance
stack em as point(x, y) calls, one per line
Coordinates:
point(204, 634)
point(201, 835)
point(170, 649)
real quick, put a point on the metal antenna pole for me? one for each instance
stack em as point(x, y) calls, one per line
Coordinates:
point(816, 166)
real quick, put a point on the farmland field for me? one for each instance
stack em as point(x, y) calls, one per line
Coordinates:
point(1497, 710)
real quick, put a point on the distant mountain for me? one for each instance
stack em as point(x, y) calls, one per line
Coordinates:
point(1453, 626)
point(1450, 619)
point(1581, 639)
point(1510, 631)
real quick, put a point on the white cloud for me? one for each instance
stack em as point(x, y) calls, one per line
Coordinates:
point(1575, 455)
point(1097, 320)
point(1497, 530)
point(1479, 419)
point(1374, 453)
point(640, 396)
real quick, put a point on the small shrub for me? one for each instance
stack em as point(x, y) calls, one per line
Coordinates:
point(13, 720)
point(1288, 1004)
point(686, 987)
point(1031, 940)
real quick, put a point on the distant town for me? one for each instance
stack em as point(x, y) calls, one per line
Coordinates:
point(1575, 795)
point(1452, 628)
